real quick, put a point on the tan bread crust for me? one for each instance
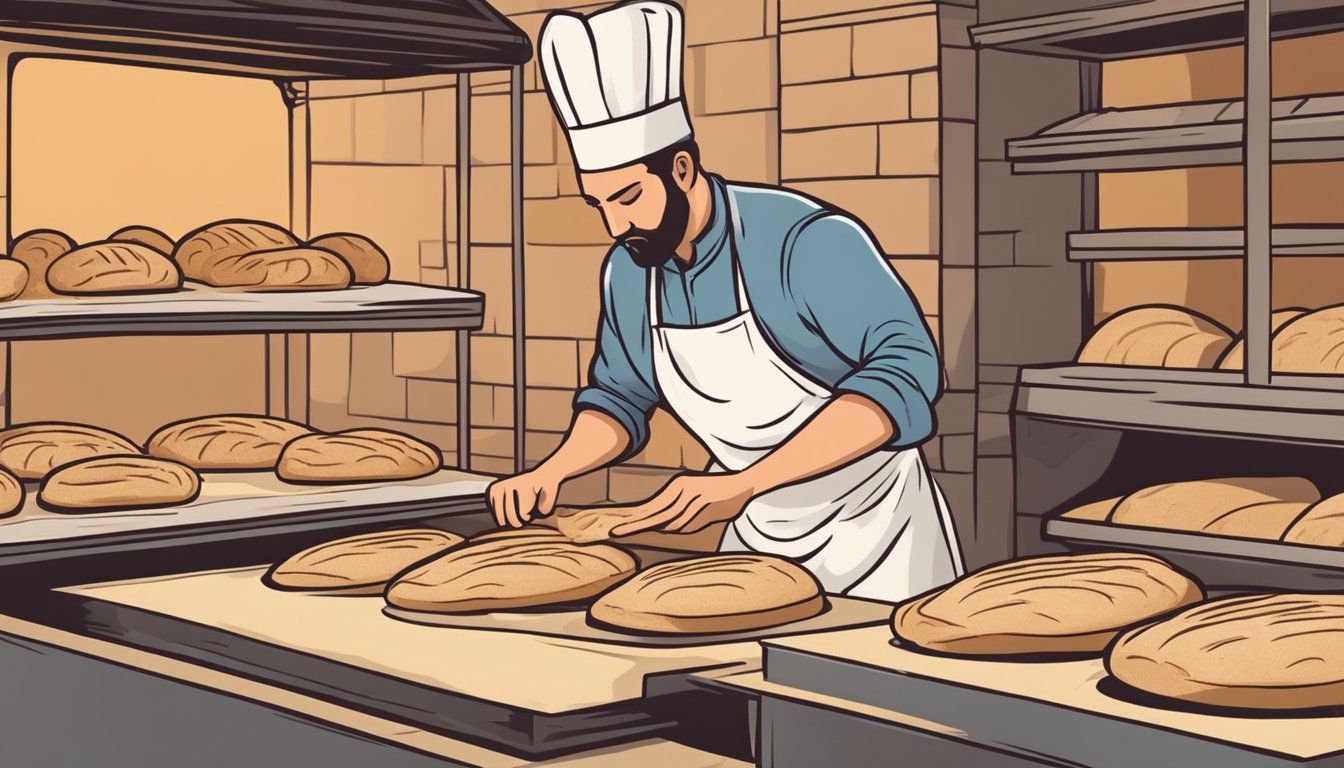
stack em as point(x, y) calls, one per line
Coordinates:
point(519, 534)
point(368, 262)
point(1248, 507)
point(31, 451)
point(1058, 604)
point(359, 455)
point(591, 524)
point(11, 494)
point(286, 269)
point(146, 236)
point(510, 574)
point(109, 483)
point(200, 251)
point(225, 442)
point(1157, 337)
point(1097, 511)
point(359, 565)
point(1312, 343)
point(13, 279)
point(1320, 525)
point(1249, 652)
point(109, 268)
point(1235, 357)
point(717, 593)
point(37, 250)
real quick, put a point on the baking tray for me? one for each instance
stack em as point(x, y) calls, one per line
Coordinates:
point(1217, 561)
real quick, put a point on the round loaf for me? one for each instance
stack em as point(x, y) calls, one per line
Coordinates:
point(1249, 652)
point(359, 455)
point(1065, 604)
point(367, 261)
point(31, 451)
point(359, 565)
point(1157, 337)
point(509, 575)
point(110, 483)
point(13, 279)
point(1320, 525)
point(286, 269)
point(37, 250)
point(1247, 507)
point(11, 494)
point(1311, 343)
point(113, 268)
point(529, 533)
point(201, 250)
point(232, 442)
point(146, 236)
point(1235, 357)
point(590, 524)
point(717, 593)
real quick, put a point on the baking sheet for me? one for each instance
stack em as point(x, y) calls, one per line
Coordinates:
point(842, 612)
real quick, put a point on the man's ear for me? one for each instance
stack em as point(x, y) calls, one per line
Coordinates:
point(684, 171)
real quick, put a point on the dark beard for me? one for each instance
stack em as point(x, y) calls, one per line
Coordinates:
point(652, 248)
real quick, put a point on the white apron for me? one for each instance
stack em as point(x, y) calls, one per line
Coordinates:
point(876, 528)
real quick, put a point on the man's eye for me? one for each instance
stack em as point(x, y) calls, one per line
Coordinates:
point(632, 198)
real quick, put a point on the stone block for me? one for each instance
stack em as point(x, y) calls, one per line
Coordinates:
point(331, 130)
point(439, 146)
point(956, 413)
point(434, 276)
point(846, 102)
point(492, 465)
point(994, 517)
point(329, 369)
point(924, 101)
point(541, 131)
point(550, 410)
point(540, 445)
point(739, 76)
point(563, 291)
point(397, 206)
point(541, 181)
point(491, 205)
point(920, 277)
point(1049, 332)
point(910, 149)
point(492, 406)
point(433, 254)
point(996, 398)
point(960, 222)
point(585, 489)
point(670, 445)
point(933, 453)
point(995, 249)
point(587, 351)
point(714, 21)
point(813, 55)
point(741, 147)
point(490, 130)
point(900, 45)
point(793, 10)
point(374, 389)
point(492, 274)
point(425, 354)
point(902, 213)
point(388, 128)
point(994, 434)
point(552, 363)
point(335, 89)
point(564, 221)
point(629, 485)
point(429, 400)
point(998, 374)
point(493, 443)
point(1007, 110)
point(958, 82)
point(959, 327)
point(492, 359)
point(959, 453)
point(830, 152)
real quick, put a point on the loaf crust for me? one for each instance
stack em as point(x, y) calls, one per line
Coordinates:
point(717, 593)
point(110, 483)
point(529, 533)
point(1157, 337)
point(1311, 343)
point(359, 565)
point(286, 269)
point(226, 442)
point(146, 236)
point(359, 455)
point(510, 574)
point(13, 279)
point(1320, 525)
point(1247, 507)
point(1097, 511)
point(201, 250)
point(1249, 651)
point(37, 250)
point(11, 494)
point(31, 451)
point(367, 261)
point(1235, 357)
point(591, 524)
point(113, 268)
point(1068, 604)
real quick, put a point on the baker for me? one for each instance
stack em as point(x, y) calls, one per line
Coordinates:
point(769, 324)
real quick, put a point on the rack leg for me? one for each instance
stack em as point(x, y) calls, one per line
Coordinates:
point(519, 300)
point(464, 267)
point(1259, 267)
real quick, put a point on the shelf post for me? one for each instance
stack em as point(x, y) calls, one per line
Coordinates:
point(294, 353)
point(519, 303)
point(1258, 204)
point(464, 266)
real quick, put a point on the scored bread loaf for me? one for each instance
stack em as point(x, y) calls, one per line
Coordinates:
point(13, 279)
point(367, 261)
point(1158, 337)
point(286, 269)
point(1097, 511)
point(358, 565)
point(110, 483)
point(146, 236)
point(31, 451)
point(1064, 604)
point(358, 455)
point(1311, 343)
point(112, 268)
point(1247, 507)
point(11, 493)
point(1235, 357)
point(589, 524)
point(228, 442)
point(1320, 525)
point(1275, 652)
point(716, 593)
point(510, 574)
point(527, 533)
point(201, 250)
point(37, 250)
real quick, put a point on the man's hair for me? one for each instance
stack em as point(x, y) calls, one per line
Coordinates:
point(660, 162)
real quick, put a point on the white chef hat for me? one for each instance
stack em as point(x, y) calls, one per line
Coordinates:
point(615, 80)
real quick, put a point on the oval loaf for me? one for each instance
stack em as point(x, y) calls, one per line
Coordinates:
point(201, 250)
point(717, 593)
point(109, 483)
point(1235, 357)
point(31, 451)
point(1156, 337)
point(367, 261)
point(1320, 525)
point(359, 455)
point(225, 442)
point(1246, 507)
point(1068, 604)
point(286, 269)
point(1311, 343)
point(110, 268)
point(11, 494)
point(360, 564)
point(37, 250)
point(147, 236)
point(13, 279)
point(1281, 651)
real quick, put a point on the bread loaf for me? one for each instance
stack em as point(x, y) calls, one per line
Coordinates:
point(287, 269)
point(232, 442)
point(529, 533)
point(1270, 652)
point(1066, 604)
point(591, 524)
point(200, 251)
point(31, 451)
point(367, 261)
point(509, 575)
point(37, 250)
point(13, 279)
point(359, 455)
point(1235, 357)
point(1158, 337)
point(11, 494)
point(717, 593)
point(109, 483)
point(1248, 507)
point(359, 565)
point(1312, 343)
point(1320, 525)
point(146, 236)
point(1097, 511)
point(113, 268)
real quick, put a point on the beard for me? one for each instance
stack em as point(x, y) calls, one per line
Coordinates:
point(653, 247)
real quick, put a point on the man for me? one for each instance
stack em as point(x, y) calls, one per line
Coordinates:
point(767, 323)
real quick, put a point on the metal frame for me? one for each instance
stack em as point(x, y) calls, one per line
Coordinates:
point(1259, 264)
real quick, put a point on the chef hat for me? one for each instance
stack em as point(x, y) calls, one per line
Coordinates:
point(615, 80)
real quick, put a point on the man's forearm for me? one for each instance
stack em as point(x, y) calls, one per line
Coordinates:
point(848, 428)
point(594, 441)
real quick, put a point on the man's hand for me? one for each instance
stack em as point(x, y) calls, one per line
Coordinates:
point(514, 499)
point(691, 502)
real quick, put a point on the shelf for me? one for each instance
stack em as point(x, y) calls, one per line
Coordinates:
point(198, 309)
point(1297, 409)
point(1151, 27)
point(287, 39)
point(232, 507)
point(1180, 136)
point(1159, 244)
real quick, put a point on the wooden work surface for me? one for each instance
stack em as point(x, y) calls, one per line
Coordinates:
point(1067, 685)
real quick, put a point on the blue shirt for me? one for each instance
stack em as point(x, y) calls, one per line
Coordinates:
point(824, 295)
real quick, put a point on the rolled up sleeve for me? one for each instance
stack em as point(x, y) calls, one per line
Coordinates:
point(846, 290)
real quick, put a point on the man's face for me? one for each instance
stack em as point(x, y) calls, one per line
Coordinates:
point(642, 211)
